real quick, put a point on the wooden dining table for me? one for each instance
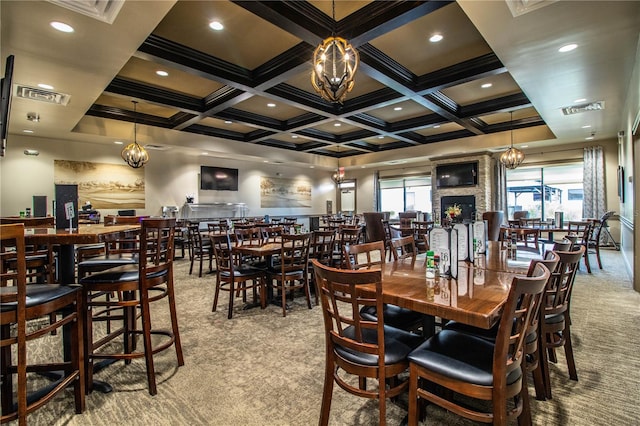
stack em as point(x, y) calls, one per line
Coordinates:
point(475, 297)
point(67, 239)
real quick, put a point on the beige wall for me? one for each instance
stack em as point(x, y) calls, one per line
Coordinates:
point(169, 176)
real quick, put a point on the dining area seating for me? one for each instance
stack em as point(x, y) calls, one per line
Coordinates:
point(21, 304)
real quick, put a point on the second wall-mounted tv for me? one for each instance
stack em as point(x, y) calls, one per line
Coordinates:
point(457, 174)
point(218, 178)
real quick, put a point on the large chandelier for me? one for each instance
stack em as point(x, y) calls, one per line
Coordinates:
point(134, 154)
point(512, 157)
point(335, 63)
point(338, 175)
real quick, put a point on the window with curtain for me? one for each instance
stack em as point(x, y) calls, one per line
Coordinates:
point(405, 193)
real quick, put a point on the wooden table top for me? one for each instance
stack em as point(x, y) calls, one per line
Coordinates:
point(475, 297)
point(85, 234)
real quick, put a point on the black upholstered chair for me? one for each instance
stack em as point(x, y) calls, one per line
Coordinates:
point(20, 305)
point(475, 367)
point(359, 349)
point(233, 276)
point(137, 286)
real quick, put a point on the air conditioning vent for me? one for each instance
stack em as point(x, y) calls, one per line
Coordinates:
point(576, 109)
point(40, 95)
point(157, 147)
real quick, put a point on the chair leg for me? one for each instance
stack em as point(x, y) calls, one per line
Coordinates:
point(586, 261)
point(231, 295)
point(538, 379)
point(148, 348)
point(215, 296)
point(524, 419)
point(413, 395)
point(327, 392)
point(284, 297)
point(78, 355)
point(568, 351)
point(174, 321)
point(598, 256)
point(544, 365)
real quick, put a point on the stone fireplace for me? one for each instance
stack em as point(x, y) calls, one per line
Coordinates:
point(480, 197)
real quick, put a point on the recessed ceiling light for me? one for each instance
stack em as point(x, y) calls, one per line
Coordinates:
point(567, 47)
point(205, 153)
point(312, 167)
point(216, 25)
point(337, 124)
point(524, 146)
point(380, 137)
point(228, 122)
point(363, 167)
point(118, 142)
point(435, 38)
point(45, 86)
point(437, 126)
point(162, 73)
point(586, 126)
point(294, 136)
point(588, 138)
point(265, 161)
point(397, 109)
point(486, 85)
point(271, 105)
point(577, 101)
point(60, 26)
point(27, 131)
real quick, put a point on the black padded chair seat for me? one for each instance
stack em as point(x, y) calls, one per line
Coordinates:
point(118, 274)
point(554, 319)
point(487, 334)
point(394, 316)
point(113, 259)
point(241, 271)
point(459, 356)
point(397, 345)
point(38, 294)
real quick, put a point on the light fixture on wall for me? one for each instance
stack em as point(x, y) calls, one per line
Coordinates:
point(335, 63)
point(338, 175)
point(512, 157)
point(134, 154)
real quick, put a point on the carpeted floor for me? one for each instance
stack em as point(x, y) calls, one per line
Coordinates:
point(262, 369)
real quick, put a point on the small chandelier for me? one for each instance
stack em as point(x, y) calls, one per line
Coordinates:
point(335, 63)
point(134, 154)
point(338, 175)
point(512, 157)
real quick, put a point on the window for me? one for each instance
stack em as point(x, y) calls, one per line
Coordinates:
point(403, 194)
point(542, 191)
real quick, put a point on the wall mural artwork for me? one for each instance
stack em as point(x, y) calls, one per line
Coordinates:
point(277, 192)
point(106, 186)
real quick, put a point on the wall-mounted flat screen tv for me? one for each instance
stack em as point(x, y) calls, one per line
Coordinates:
point(457, 174)
point(5, 103)
point(218, 178)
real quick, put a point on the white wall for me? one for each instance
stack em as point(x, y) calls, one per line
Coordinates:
point(169, 177)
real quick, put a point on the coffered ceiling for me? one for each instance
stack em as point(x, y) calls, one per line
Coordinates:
point(412, 98)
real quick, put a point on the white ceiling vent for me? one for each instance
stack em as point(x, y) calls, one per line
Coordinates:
point(157, 147)
point(102, 10)
point(520, 7)
point(42, 95)
point(576, 109)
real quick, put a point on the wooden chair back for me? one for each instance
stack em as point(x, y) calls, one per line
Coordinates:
point(558, 292)
point(365, 255)
point(322, 246)
point(404, 248)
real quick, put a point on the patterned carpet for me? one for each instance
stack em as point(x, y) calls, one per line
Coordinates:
point(262, 369)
